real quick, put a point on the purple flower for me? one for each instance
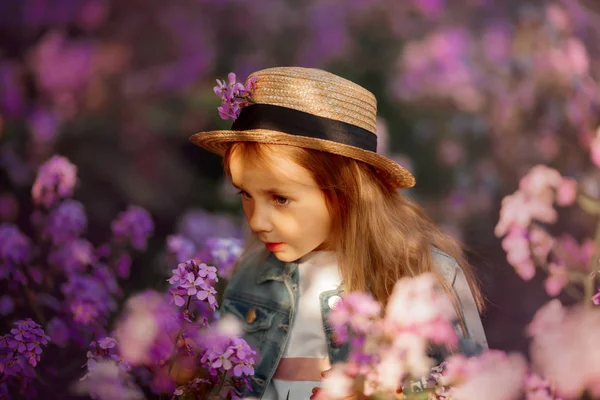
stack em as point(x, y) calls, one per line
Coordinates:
point(66, 222)
point(355, 311)
point(181, 247)
point(104, 349)
point(134, 225)
point(230, 354)
point(7, 305)
point(234, 96)
point(193, 279)
point(55, 180)
point(147, 328)
point(73, 256)
point(26, 340)
point(58, 331)
point(123, 265)
point(224, 253)
point(107, 380)
point(198, 225)
point(43, 125)
point(15, 250)
point(88, 299)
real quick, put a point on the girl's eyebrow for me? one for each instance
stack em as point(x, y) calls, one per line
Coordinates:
point(267, 191)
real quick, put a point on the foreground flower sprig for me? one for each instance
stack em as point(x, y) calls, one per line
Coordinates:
point(389, 351)
point(234, 96)
point(20, 351)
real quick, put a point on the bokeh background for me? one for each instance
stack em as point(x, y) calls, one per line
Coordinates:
point(472, 93)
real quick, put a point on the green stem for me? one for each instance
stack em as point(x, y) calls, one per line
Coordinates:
point(221, 384)
point(172, 361)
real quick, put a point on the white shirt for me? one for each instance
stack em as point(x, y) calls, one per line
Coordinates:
point(305, 355)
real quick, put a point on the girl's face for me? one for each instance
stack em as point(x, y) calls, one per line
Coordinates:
point(283, 205)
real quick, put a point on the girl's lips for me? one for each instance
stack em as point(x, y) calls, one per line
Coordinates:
point(274, 246)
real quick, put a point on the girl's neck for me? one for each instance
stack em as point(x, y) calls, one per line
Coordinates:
point(317, 256)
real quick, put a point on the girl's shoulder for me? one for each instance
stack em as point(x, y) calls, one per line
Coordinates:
point(445, 264)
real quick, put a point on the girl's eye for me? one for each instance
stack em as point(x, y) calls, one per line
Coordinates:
point(244, 194)
point(282, 201)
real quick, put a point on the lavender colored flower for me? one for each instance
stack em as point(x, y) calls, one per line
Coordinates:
point(224, 253)
point(43, 125)
point(355, 312)
point(73, 256)
point(108, 381)
point(104, 349)
point(7, 305)
point(123, 265)
point(15, 250)
point(234, 96)
point(198, 225)
point(193, 279)
point(223, 353)
point(147, 328)
point(180, 247)
point(88, 299)
point(55, 180)
point(58, 331)
point(66, 222)
point(134, 225)
point(26, 340)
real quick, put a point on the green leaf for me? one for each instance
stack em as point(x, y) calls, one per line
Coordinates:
point(288, 395)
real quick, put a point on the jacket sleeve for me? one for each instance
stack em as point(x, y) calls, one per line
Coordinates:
point(470, 314)
point(473, 340)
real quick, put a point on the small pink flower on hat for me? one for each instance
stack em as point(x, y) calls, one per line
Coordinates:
point(234, 96)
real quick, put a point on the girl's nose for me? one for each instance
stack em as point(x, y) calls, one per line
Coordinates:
point(260, 220)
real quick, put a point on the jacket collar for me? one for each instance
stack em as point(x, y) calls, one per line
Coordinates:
point(274, 269)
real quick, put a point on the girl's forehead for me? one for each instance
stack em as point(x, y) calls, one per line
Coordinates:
point(271, 167)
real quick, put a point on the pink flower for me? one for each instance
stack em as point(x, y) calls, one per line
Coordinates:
point(514, 211)
point(417, 301)
point(573, 254)
point(493, 375)
point(357, 310)
point(556, 280)
point(564, 348)
point(336, 384)
point(595, 149)
point(596, 298)
point(518, 254)
point(539, 388)
point(541, 243)
point(539, 180)
point(566, 192)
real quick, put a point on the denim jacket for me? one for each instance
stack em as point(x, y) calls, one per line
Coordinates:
point(264, 298)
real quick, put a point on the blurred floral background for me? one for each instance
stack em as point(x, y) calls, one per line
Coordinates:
point(471, 95)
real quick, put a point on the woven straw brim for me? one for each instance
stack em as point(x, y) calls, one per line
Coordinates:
point(218, 142)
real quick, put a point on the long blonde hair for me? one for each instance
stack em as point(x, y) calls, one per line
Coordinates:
point(379, 235)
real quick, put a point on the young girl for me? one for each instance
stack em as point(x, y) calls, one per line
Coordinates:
point(326, 218)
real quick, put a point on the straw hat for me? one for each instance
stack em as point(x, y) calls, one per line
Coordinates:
point(309, 108)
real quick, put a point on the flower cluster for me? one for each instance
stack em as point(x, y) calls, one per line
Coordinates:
point(234, 96)
point(20, 352)
point(533, 202)
point(146, 329)
point(56, 180)
point(224, 253)
point(390, 350)
point(105, 348)
point(194, 280)
point(134, 226)
point(15, 251)
point(25, 340)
